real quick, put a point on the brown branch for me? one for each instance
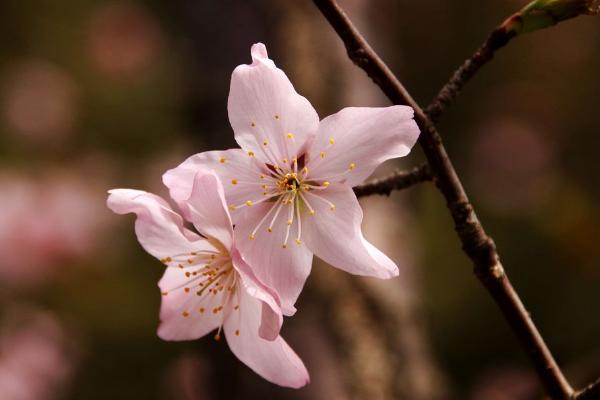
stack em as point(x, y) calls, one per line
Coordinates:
point(475, 242)
point(535, 15)
point(591, 392)
point(495, 41)
point(396, 181)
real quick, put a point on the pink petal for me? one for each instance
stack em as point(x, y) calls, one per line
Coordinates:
point(208, 211)
point(183, 314)
point(263, 105)
point(336, 236)
point(283, 269)
point(159, 229)
point(273, 360)
point(272, 318)
point(352, 143)
point(230, 166)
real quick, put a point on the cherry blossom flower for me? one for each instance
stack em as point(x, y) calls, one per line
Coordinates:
point(207, 285)
point(289, 187)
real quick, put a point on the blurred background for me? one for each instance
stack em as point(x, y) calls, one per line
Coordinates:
point(102, 94)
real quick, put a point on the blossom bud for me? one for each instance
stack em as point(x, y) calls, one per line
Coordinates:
point(540, 14)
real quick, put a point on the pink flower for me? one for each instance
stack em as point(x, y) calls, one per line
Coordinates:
point(290, 185)
point(207, 284)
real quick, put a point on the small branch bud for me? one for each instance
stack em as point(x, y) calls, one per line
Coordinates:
point(540, 14)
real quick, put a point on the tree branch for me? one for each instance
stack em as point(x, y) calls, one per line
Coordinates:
point(448, 93)
point(536, 15)
point(591, 392)
point(475, 242)
point(395, 181)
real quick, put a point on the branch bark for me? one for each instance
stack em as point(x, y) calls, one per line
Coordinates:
point(395, 181)
point(448, 93)
point(476, 243)
point(591, 392)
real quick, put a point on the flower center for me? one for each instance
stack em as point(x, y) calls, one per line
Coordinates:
point(210, 276)
point(289, 182)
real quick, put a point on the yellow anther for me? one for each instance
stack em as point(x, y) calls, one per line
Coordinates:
point(217, 337)
point(276, 116)
point(193, 253)
point(234, 181)
point(284, 246)
point(201, 310)
point(249, 203)
point(251, 236)
point(187, 289)
point(237, 307)
point(331, 140)
point(289, 221)
point(185, 314)
point(251, 153)
point(265, 142)
point(322, 154)
point(270, 230)
point(222, 160)
point(262, 176)
point(332, 207)
point(264, 186)
point(325, 184)
point(290, 135)
point(252, 124)
point(298, 241)
point(188, 274)
point(285, 161)
point(231, 207)
point(237, 332)
point(311, 212)
point(351, 166)
point(165, 293)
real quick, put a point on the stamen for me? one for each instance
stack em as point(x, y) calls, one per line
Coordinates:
point(298, 241)
point(264, 218)
point(311, 211)
point(331, 205)
point(250, 203)
point(290, 221)
point(283, 199)
point(331, 140)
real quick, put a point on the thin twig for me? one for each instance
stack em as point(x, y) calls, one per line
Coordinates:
point(475, 242)
point(396, 181)
point(591, 392)
point(448, 93)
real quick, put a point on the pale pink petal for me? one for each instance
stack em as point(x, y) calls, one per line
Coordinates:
point(268, 116)
point(274, 360)
point(208, 211)
point(283, 269)
point(336, 237)
point(183, 314)
point(239, 173)
point(272, 318)
point(352, 143)
point(159, 229)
